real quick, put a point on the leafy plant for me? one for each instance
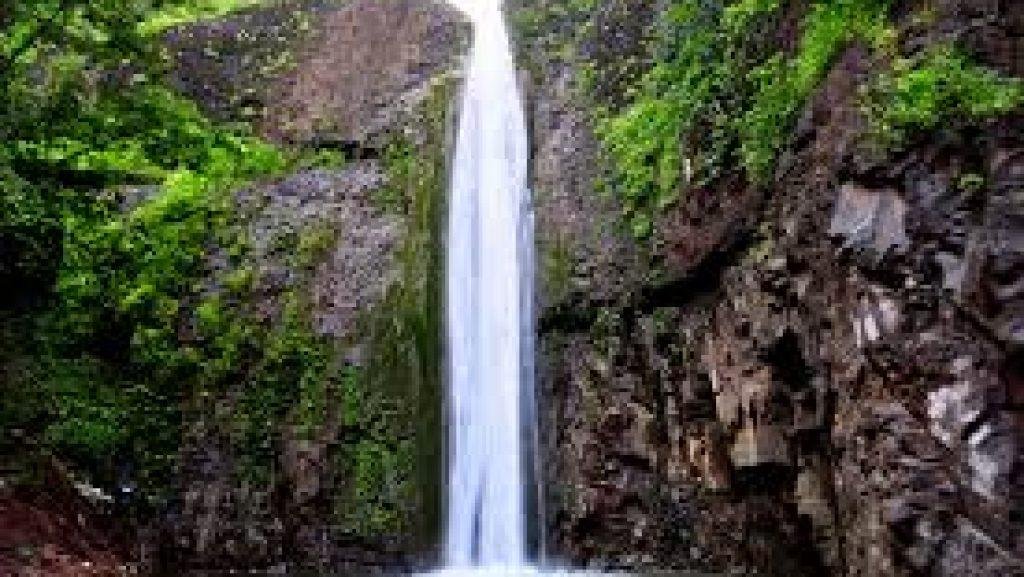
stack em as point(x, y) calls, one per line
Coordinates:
point(676, 132)
point(715, 98)
point(171, 14)
point(114, 192)
point(783, 85)
point(942, 85)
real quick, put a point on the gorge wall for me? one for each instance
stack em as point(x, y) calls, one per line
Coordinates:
point(817, 374)
point(302, 427)
point(361, 244)
point(780, 247)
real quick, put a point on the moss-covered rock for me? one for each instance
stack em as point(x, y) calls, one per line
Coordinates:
point(783, 329)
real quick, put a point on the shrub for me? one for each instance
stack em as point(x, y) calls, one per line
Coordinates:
point(938, 87)
point(716, 99)
point(696, 83)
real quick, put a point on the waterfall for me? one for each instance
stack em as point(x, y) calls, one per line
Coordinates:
point(489, 299)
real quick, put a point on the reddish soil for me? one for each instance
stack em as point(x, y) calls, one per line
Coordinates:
point(53, 535)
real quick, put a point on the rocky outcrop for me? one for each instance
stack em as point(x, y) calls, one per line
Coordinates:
point(353, 246)
point(337, 209)
point(324, 73)
point(372, 64)
point(583, 258)
point(823, 377)
point(225, 520)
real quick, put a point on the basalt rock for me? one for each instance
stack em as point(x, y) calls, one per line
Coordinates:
point(825, 376)
point(342, 242)
point(332, 74)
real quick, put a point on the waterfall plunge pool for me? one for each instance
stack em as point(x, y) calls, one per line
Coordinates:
point(519, 571)
point(534, 572)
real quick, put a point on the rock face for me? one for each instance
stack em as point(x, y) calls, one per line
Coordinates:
point(327, 73)
point(358, 246)
point(829, 378)
point(373, 61)
point(361, 239)
point(226, 521)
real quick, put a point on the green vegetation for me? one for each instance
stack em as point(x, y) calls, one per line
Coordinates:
point(116, 197)
point(556, 269)
point(694, 88)
point(269, 372)
point(715, 99)
point(784, 84)
point(942, 86)
point(171, 14)
point(378, 460)
point(312, 245)
point(715, 96)
point(404, 356)
point(140, 324)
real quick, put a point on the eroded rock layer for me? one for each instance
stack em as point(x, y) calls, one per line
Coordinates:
point(817, 376)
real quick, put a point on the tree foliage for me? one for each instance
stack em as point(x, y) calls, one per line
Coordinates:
point(114, 192)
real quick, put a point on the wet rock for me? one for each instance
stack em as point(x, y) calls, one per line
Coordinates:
point(831, 366)
point(869, 219)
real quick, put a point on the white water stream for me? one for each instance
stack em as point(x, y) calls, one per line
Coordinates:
point(489, 316)
point(489, 283)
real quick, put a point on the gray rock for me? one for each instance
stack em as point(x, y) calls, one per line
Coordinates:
point(870, 219)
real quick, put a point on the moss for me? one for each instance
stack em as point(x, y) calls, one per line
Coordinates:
point(177, 14)
point(556, 267)
point(283, 375)
point(971, 182)
point(716, 98)
point(401, 161)
point(313, 244)
point(940, 87)
point(241, 280)
point(391, 487)
point(321, 158)
point(784, 84)
point(376, 464)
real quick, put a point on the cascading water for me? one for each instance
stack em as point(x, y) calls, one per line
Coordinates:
point(489, 315)
point(489, 280)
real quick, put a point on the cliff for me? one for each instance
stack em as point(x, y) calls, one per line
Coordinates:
point(259, 382)
point(803, 363)
point(780, 247)
point(360, 246)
